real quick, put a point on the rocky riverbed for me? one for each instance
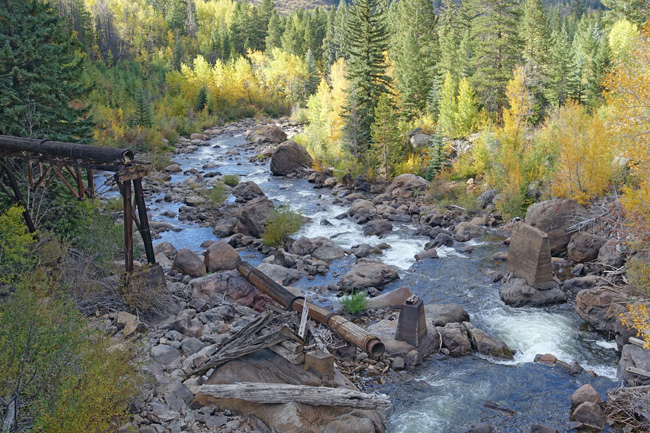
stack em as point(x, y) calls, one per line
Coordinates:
point(486, 364)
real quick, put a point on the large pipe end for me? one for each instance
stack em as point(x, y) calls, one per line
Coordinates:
point(375, 347)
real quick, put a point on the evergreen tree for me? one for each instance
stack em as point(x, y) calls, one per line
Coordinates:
point(556, 90)
point(367, 37)
point(636, 11)
point(535, 33)
point(433, 100)
point(176, 16)
point(312, 74)
point(497, 50)
point(450, 34)
point(201, 99)
point(386, 144)
point(275, 31)
point(416, 52)
point(142, 115)
point(447, 106)
point(41, 67)
point(334, 44)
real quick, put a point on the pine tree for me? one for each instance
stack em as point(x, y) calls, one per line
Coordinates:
point(312, 74)
point(334, 46)
point(557, 88)
point(142, 115)
point(367, 37)
point(275, 30)
point(536, 36)
point(416, 52)
point(201, 99)
point(497, 50)
point(41, 67)
point(636, 11)
point(449, 39)
point(386, 144)
point(433, 100)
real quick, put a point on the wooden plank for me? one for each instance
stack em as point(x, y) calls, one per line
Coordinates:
point(286, 350)
point(636, 341)
point(638, 371)
point(278, 393)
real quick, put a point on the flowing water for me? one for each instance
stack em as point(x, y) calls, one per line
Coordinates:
point(441, 395)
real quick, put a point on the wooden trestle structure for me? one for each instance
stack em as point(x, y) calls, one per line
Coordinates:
point(72, 164)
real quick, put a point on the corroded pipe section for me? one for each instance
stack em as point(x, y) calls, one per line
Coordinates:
point(13, 146)
point(346, 329)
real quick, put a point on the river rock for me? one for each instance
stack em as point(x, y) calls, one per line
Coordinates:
point(197, 136)
point(405, 185)
point(427, 255)
point(360, 208)
point(220, 256)
point(281, 275)
point(486, 197)
point(267, 134)
point(166, 355)
point(590, 415)
point(364, 250)
point(251, 217)
point(289, 157)
point(368, 274)
point(585, 393)
point(393, 299)
point(165, 248)
point(584, 247)
point(320, 247)
point(575, 285)
point(455, 339)
point(188, 263)
point(173, 168)
point(517, 293)
point(441, 314)
point(466, 231)
point(601, 307)
point(613, 253)
point(268, 367)
point(420, 140)
point(246, 191)
point(231, 285)
point(486, 344)
point(442, 239)
point(554, 217)
point(633, 356)
point(377, 227)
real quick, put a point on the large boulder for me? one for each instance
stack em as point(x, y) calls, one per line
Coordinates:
point(188, 263)
point(289, 157)
point(601, 307)
point(612, 254)
point(584, 247)
point(320, 247)
point(466, 231)
point(420, 140)
point(220, 256)
point(280, 274)
point(517, 293)
point(267, 134)
point(377, 227)
point(636, 357)
point(588, 408)
point(368, 274)
point(405, 185)
point(246, 191)
point(486, 344)
point(251, 217)
point(229, 285)
point(360, 208)
point(554, 217)
point(165, 248)
point(455, 339)
point(441, 314)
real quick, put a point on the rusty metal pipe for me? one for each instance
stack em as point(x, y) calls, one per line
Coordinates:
point(16, 145)
point(350, 332)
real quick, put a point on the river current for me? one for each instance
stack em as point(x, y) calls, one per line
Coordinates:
point(442, 395)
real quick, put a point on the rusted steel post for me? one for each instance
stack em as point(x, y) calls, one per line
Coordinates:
point(144, 221)
point(128, 226)
point(18, 195)
point(346, 329)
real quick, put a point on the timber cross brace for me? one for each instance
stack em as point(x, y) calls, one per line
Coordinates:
point(46, 161)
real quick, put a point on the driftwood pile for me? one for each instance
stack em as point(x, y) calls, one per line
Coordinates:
point(630, 407)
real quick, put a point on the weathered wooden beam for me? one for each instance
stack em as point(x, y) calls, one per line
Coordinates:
point(636, 341)
point(638, 371)
point(291, 351)
point(278, 393)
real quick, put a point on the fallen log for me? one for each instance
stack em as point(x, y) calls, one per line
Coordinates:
point(346, 329)
point(279, 393)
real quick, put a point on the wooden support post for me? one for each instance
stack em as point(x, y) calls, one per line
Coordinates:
point(19, 196)
point(144, 221)
point(128, 226)
point(65, 181)
point(90, 192)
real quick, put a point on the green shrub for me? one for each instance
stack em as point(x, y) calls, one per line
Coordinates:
point(638, 274)
point(215, 195)
point(64, 375)
point(16, 245)
point(355, 302)
point(281, 223)
point(231, 180)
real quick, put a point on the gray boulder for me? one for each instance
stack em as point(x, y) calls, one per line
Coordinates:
point(441, 314)
point(368, 274)
point(267, 134)
point(486, 344)
point(613, 253)
point(289, 157)
point(282, 275)
point(584, 247)
point(360, 208)
point(466, 231)
point(601, 307)
point(517, 293)
point(405, 185)
point(455, 339)
point(188, 263)
point(554, 217)
point(420, 140)
point(319, 247)
point(633, 356)
point(377, 227)
point(251, 217)
point(220, 256)
point(165, 248)
point(246, 191)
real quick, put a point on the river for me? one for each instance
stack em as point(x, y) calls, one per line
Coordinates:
point(442, 395)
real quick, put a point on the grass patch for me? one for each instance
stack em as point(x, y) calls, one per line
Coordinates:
point(281, 223)
point(215, 195)
point(355, 302)
point(231, 180)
